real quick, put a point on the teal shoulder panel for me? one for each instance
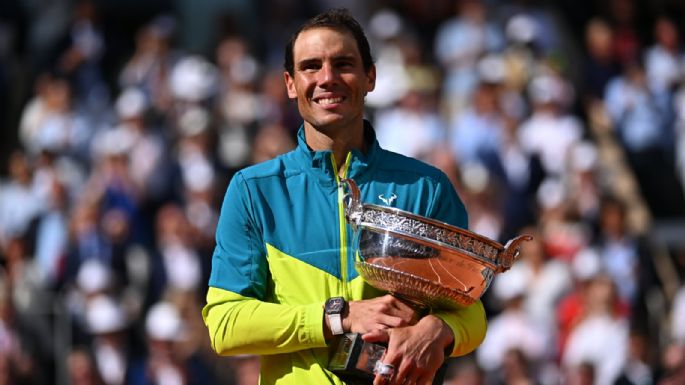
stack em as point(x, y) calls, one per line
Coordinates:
point(298, 215)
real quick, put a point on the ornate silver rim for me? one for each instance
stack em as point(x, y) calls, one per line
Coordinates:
point(409, 226)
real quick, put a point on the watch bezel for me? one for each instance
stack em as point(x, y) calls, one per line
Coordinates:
point(335, 305)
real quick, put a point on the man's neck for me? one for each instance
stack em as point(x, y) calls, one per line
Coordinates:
point(340, 141)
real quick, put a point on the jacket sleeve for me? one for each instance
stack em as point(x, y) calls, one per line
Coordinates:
point(238, 317)
point(468, 324)
point(243, 325)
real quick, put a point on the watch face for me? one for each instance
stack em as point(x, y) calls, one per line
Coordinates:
point(335, 305)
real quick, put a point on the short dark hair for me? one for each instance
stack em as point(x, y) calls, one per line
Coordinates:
point(338, 19)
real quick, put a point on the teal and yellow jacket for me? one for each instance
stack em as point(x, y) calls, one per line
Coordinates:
point(283, 247)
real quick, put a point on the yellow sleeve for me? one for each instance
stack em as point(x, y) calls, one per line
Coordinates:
point(244, 325)
point(468, 325)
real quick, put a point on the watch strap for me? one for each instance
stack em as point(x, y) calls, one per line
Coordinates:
point(335, 322)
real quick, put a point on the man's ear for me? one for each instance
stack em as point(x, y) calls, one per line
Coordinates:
point(371, 78)
point(290, 85)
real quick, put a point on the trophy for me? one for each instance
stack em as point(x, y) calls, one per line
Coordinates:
point(427, 263)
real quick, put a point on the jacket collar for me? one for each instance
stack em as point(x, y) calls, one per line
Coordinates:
point(320, 164)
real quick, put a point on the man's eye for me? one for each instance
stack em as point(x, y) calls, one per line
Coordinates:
point(310, 67)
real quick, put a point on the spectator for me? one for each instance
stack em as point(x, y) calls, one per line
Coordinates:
point(600, 64)
point(165, 363)
point(410, 128)
point(19, 205)
point(107, 324)
point(25, 342)
point(678, 316)
point(625, 257)
point(550, 132)
point(637, 370)
point(459, 43)
point(642, 124)
point(478, 130)
point(81, 368)
point(600, 338)
point(51, 122)
point(673, 362)
point(513, 328)
point(151, 62)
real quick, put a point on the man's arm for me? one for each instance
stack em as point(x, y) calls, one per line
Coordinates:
point(243, 325)
point(238, 318)
point(468, 327)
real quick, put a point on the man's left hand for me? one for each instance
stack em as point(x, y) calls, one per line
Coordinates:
point(415, 351)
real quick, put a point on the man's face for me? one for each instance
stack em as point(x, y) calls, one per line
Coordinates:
point(328, 80)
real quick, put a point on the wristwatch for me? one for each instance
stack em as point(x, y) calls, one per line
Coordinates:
point(333, 309)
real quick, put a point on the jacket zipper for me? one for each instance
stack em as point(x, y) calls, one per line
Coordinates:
point(342, 223)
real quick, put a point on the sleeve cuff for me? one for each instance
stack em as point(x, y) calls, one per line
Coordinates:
point(468, 326)
point(313, 325)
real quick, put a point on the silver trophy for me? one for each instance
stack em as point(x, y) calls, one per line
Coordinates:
point(427, 263)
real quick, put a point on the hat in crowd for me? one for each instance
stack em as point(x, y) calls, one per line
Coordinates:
point(104, 315)
point(385, 24)
point(586, 264)
point(163, 322)
point(244, 70)
point(492, 69)
point(546, 89)
point(113, 142)
point(193, 79)
point(198, 174)
point(510, 285)
point(131, 103)
point(93, 276)
point(584, 156)
point(182, 267)
point(521, 29)
point(475, 177)
point(193, 121)
point(551, 193)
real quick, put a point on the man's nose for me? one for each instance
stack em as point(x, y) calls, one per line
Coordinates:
point(328, 74)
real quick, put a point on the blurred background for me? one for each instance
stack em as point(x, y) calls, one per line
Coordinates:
point(122, 122)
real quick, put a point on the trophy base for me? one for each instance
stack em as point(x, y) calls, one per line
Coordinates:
point(353, 358)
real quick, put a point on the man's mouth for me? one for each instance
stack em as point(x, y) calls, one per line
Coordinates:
point(329, 101)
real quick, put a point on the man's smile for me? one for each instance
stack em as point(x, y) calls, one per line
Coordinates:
point(328, 100)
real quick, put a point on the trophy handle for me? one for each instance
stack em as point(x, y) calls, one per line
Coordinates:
point(512, 251)
point(352, 203)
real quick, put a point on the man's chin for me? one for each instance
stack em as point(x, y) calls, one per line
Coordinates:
point(328, 123)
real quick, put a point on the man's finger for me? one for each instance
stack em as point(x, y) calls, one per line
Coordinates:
point(395, 321)
point(377, 335)
point(404, 375)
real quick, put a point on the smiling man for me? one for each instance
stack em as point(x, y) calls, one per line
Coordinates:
point(283, 281)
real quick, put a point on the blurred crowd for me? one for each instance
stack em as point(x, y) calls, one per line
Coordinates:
point(569, 126)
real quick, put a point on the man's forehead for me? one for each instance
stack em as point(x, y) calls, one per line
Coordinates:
point(325, 40)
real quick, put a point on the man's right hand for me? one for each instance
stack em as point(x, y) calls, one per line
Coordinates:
point(378, 313)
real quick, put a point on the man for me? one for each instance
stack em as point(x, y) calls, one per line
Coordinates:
point(283, 246)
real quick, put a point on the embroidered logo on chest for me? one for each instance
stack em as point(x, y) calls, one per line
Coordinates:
point(388, 200)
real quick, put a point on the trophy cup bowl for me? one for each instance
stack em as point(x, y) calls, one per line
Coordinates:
point(428, 263)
